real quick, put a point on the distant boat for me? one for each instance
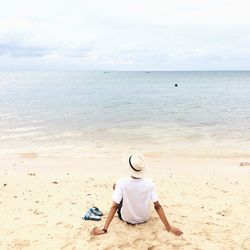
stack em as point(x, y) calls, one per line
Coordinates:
point(105, 72)
point(147, 72)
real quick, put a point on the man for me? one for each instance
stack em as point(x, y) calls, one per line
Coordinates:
point(132, 196)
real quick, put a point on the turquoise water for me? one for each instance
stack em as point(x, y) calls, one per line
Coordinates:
point(54, 113)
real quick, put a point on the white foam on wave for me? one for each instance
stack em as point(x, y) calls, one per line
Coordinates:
point(22, 129)
point(19, 135)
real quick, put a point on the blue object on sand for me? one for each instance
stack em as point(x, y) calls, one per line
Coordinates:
point(96, 211)
point(91, 216)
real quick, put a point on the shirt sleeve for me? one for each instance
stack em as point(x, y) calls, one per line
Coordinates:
point(117, 195)
point(153, 195)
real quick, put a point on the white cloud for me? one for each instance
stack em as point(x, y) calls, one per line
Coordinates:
point(125, 35)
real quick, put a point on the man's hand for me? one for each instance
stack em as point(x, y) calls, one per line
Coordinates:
point(97, 231)
point(176, 231)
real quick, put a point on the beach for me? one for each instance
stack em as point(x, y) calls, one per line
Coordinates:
point(85, 86)
point(63, 136)
point(43, 200)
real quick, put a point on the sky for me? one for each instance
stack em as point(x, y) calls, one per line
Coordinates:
point(124, 35)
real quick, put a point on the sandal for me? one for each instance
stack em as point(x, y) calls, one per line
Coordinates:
point(90, 216)
point(96, 211)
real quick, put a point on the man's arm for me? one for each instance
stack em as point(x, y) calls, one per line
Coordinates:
point(163, 218)
point(112, 211)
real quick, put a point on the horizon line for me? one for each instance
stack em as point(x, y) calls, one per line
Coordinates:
point(109, 71)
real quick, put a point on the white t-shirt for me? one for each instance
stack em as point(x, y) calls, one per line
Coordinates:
point(136, 195)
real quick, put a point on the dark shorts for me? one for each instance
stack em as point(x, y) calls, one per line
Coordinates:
point(119, 210)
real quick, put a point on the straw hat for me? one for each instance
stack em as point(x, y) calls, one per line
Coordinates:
point(136, 163)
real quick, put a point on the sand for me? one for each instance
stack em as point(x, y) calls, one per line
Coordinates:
point(42, 201)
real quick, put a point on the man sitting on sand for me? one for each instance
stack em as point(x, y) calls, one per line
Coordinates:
point(132, 196)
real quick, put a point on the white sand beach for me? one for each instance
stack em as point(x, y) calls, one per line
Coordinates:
point(82, 83)
point(42, 201)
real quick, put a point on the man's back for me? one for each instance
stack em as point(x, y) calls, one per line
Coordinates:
point(136, 195)
point(132, 198)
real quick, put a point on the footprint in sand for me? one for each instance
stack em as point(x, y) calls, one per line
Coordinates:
point(28, 155)
point(155, 247)
point(246, 244)
point(224, 213)
point(176, 205)
point(19, 244)
point(211, 223)
point(69, 245)
point(221, 190)
point(208, 197)
point(59, 204)
point(68, 226)
point(140, 243)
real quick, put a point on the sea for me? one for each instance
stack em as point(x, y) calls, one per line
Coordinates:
point(105, 113)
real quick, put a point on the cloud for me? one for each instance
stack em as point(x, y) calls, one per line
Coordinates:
point(15, 50)
point(159, 34)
